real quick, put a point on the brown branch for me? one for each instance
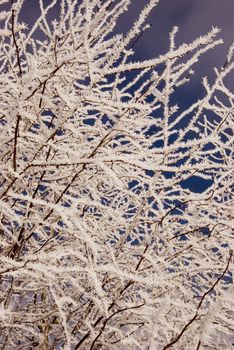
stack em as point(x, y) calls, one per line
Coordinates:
point(15, 142)
point(43, 83)
point(174, 208)
point(142, 257)
point(139, 324)
point(42, 93)
point(185, 202)
point(217, 281)
point(224, 120)
point(114, 303)
point(174, 340)
point(111, 316)
point(181, 333)
point(188, 232)
point(139, 37)
point(52, 74)
point(14, 39)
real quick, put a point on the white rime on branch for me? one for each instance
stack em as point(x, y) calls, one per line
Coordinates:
point(105, 243)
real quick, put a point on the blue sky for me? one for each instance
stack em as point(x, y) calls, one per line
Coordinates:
point(193, 17)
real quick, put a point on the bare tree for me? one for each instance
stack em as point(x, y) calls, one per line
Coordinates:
point(102, 246)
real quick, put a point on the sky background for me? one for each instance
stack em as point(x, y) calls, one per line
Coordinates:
point(193, 17)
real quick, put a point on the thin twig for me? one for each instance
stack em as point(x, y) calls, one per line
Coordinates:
point(14, 39)
point(15, 142)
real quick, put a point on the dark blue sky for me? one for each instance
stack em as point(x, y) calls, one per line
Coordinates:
point(193, 17)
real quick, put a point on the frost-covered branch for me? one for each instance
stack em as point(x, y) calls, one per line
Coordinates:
point(115, 205)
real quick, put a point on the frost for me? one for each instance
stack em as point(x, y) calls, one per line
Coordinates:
point(115, 199)
point(5, 314)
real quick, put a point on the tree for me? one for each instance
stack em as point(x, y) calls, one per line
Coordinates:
point(103, 244)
